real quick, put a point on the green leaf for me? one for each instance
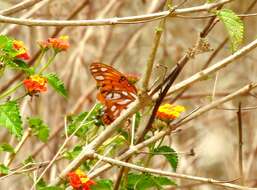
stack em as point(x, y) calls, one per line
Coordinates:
point(234, 25)
point(4, 169)
point(3, 41)
point(138, 117)
point(57, 84)
point(103, 184)
point(115, 143)
point(23, 66)
point(39, 128)
point(4, 147)
point(10, 118)
point(76, 121)
point(170, 154)
point(41, 185)
point(147, 181)
point(71, 155)
point(28, 160)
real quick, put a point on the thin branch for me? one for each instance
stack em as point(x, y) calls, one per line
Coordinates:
point(89, 149)
point(83, 122)
point(142, 101)
point(221, 64)
point(151, 57)
point(171, 174)
point(19, 7)
point(112, 21)
point(240, 144)
point(163, 133)
point(11, 156)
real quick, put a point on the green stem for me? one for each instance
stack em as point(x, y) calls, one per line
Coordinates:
point(11, 90)
point(19, 98)
point(49, 62)
point(38, 61)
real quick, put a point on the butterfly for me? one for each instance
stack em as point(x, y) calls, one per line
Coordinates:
point(116, 92)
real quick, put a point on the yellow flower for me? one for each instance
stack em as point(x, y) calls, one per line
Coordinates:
point(169, 112)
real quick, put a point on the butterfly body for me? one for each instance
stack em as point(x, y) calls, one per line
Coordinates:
point(115, 90)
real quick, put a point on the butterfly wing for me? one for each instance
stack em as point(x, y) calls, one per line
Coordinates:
point(109, 78)
point(115, 91)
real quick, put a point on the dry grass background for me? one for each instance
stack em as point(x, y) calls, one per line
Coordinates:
point(213, 136)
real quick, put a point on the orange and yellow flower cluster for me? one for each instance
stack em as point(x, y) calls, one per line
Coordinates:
point(35, 84)
point(79, 180)
point(169, 112)
point(58, 44)
point(19, 46)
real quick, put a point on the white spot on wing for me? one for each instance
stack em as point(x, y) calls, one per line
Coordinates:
point(133, 95)
point(94, 70)
point(124, 102)
point(113, 96)
point(99, 77)
point(116, 113)
point(113, 108)
point(103, 69)
point(124, 93)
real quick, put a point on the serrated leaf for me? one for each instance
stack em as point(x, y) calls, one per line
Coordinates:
point(5, 147)
point(103, 184)
point(57, 84)
point(10, 118)
point(234, 26)
point(39, 128)
point(4, 169)
point(170, 154)
point(146, 181)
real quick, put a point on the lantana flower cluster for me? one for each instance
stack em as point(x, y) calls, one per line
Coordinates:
point(35, 84)
point(20, 47)
point(79, 180)
point(58, 44)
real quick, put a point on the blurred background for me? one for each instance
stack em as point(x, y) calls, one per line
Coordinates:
point(213, 136)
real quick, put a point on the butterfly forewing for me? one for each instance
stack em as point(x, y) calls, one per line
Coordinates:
point(115, 91)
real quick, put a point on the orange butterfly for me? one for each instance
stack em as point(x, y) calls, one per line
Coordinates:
point(115, 90)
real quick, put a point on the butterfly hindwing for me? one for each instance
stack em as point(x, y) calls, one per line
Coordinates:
point(115, 91)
